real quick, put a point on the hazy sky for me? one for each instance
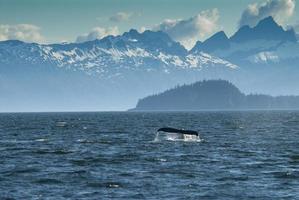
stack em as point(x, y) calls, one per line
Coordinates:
point(51, 21)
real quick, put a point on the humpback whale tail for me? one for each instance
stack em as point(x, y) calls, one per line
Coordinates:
point(179, 131)
point(173, 134)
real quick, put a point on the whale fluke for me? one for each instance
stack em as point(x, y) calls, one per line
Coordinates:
point(173, 130)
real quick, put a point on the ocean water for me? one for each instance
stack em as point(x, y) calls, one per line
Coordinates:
point(239, 155)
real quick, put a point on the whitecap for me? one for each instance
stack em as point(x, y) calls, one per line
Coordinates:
point(41, 140)
point(61, 124)
point(113, 185)
point(162, 160)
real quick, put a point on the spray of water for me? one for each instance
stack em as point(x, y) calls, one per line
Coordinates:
point(176, 137)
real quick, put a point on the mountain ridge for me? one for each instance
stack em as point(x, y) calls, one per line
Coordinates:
point(149, 44)
point(256, 45)
point(115, 71)
point(105, 74)
point(267, 28)
point(217, 41)
point(212, 95)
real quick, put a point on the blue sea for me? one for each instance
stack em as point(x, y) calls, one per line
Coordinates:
point(119, 155)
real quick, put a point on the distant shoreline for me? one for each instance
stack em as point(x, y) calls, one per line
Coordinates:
point(214, 95)
point(154, 111)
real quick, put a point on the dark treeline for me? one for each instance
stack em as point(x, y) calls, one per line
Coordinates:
point(214, 95)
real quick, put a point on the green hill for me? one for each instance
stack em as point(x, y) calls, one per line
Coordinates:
point(213, 95)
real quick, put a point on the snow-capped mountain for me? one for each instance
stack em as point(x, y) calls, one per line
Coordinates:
point(267, 56)
point(131, 65)
point(266, 43)
point(111, 55)
point(114, 72)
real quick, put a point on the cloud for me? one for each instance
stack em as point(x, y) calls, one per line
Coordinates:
point(121, 16)
point(98, 33)
point(189, 31)
point(23, 32)
point(142, 29)
point(280, 10)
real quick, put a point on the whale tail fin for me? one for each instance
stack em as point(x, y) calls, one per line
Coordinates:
point(180, 131)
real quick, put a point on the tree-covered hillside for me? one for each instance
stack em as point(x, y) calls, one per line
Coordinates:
point(213, 95)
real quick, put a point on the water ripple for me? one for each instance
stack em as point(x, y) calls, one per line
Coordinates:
point(240, 155)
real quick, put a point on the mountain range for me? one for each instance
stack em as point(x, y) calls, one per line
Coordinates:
point(265, 43)
point(113, 72)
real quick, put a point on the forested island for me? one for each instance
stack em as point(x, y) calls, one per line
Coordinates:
point(213, 95)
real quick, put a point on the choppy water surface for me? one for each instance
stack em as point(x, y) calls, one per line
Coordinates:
point(241, 155)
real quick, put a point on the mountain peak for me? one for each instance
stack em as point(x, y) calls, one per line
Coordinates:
point(133, 33)
point(220, 35)
point(267, 21)
point(266, 29)
point(159, 40)
point(268, 25)
point(154, 41)
point(12, 42)
point(218, 41)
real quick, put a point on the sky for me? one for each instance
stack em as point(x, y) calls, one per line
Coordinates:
point(186, 21)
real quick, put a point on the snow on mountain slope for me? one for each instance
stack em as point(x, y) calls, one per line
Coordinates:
point(247, 48)
point(284, 53)
point(264, 58)
point(112, 55)
point(266, 43)
point(107, 74)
